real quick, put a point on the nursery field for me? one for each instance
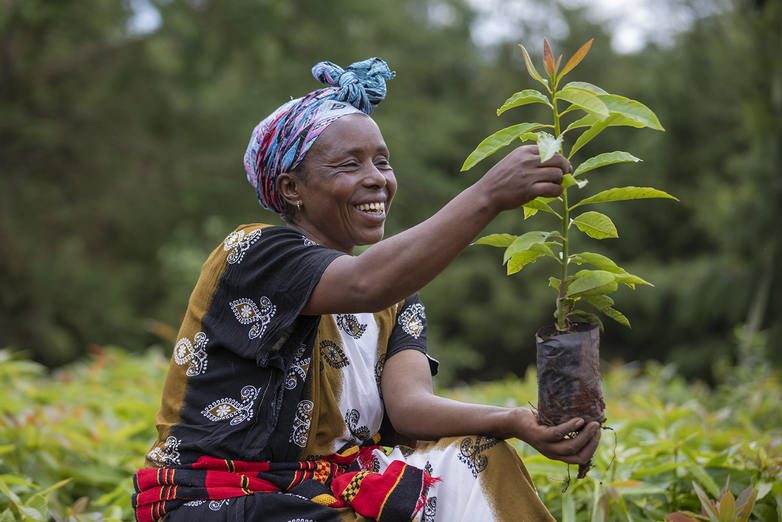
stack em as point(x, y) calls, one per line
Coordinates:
point(70, 440)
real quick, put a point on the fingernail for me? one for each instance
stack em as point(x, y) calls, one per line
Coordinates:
point(579, 423)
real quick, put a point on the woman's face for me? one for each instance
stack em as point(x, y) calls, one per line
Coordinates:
point(346, 186)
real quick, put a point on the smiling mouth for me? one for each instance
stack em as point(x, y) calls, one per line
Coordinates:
point(376, 209)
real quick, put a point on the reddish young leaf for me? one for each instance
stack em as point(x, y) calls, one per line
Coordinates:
point(556, 66)
point(678, 517)
point(548, 59)
point(576, 59)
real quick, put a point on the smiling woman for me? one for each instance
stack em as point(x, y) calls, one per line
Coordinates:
point(301, 368)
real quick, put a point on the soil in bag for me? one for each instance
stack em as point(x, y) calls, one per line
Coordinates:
point(569, 381)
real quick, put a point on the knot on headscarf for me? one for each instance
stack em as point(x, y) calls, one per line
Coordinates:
point(363, 85)
point(280, 142)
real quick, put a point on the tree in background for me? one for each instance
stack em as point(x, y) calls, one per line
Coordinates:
point(121, 165)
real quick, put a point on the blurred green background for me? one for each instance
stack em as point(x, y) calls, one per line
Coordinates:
point(123, 126)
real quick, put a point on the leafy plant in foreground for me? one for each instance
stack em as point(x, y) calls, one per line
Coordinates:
point(727, 508)
point(602, 110)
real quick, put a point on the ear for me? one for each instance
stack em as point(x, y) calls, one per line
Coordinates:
point(288, 187)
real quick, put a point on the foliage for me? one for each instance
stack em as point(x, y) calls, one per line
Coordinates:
point(602, 110)
point(72, 439)
point(665, 436)
point(727, 508)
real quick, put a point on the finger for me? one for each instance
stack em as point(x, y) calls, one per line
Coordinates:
point(586, 442)
point(580, 449)
point(546, 190)
point(559, 161)
point(560, 431)
point(550, 174)
point(588, 450)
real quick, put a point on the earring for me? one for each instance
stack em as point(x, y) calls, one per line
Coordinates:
point(298, 206)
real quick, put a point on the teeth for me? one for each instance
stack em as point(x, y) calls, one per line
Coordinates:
point(369, 207)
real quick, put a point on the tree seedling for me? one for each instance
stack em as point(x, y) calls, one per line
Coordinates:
point(602, 110)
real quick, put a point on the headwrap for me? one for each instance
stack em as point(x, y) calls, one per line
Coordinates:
point(280, 142)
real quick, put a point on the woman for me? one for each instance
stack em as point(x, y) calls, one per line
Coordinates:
point(296, 356)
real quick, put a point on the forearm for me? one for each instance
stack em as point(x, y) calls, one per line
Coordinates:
point(416, 412)
point(414, 257)
point(432, 417)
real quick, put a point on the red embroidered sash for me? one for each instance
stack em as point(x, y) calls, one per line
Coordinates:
point(335, 481)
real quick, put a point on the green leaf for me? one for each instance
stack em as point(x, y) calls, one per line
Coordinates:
point(608, 158)
point(548, 145)
point(592, 282)
point(727, 506)
point(522, 259)
point(596, 225)
point(544, 249)
point(568, 181)
point(704, 478)
point(497, 141)
point(632, 109)
point(16, 480)
point(531, 68)
point(595, 129)
point(12, 496)
point(586, 101)
point(523, 242)
point(597, 506)
point(55, 486)
point(589, 318)
point(553, 282)
point(605, 305)
point(624, 194)
point(584, 86)
point(529, 212)
point(32, 513)
point(539, 203)
point(708, 507)
point(576, 58)
point(631, 280)
point(568, 509)
point(598, 260)
point(617, 120)
point(41, 505)
point(523, 98)
point(498, 240)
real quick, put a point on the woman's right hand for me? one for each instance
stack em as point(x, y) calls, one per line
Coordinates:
point(520, 177)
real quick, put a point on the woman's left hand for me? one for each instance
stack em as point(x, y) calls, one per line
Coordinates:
point(556, 442)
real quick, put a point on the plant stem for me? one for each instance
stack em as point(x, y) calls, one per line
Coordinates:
point(561, 314)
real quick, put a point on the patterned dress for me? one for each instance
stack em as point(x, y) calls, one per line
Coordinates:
point(252, 381)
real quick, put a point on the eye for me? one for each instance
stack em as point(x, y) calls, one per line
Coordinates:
point(383, 162)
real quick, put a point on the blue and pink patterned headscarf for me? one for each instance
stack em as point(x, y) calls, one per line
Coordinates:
point(280, 142)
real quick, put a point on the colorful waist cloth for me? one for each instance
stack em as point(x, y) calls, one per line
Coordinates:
point(336, 481)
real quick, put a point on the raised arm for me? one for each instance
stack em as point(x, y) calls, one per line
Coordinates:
point(398, 266)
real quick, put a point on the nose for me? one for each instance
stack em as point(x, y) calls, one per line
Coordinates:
point(375, 178)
